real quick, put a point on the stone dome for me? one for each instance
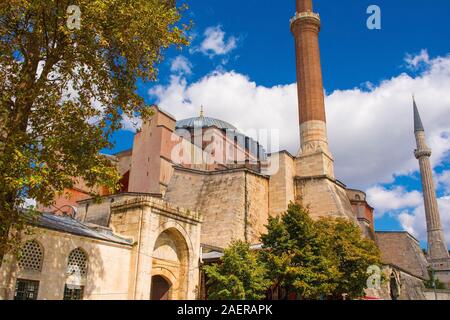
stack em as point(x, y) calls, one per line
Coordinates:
point(204, 122)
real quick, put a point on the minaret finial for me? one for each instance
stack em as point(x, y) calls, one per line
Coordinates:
point(201, 112)
point(418, 126)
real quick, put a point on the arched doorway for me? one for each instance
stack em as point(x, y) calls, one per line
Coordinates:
point(160, 288)
point(171, 263)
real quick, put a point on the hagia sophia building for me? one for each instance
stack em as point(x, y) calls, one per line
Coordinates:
point(190, 187)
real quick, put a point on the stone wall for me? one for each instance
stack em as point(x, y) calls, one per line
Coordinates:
point(281, 183)
point(167, 244)
point(324, 198)
point(437, 295)
point(258, 206)
point(403, 250)
point(221, 199)
point(398, 284)
point(107, 275)
point(91, 211)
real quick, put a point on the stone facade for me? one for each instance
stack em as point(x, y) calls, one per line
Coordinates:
point(167, 242)
point(187, 191)
point(164, 242)
point(281, 183)
point(403, 250)
point(240, 213)
point(108, 273)
point(324, 198)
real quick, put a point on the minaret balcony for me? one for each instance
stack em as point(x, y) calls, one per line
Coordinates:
point(422, 153)
point(305, 15)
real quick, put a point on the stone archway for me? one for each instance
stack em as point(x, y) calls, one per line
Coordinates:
point(394, 286)
point(161, 288)
point(171, 264)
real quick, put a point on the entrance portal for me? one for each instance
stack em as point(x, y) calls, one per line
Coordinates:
point(160, 288)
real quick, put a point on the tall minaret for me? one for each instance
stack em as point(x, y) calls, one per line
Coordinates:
point(305, 26)
point(437, 247)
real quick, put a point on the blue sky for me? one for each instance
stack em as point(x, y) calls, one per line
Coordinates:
point(367, 73)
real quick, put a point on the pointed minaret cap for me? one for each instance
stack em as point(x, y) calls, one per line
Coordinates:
point(418, 126)
point(202, 114)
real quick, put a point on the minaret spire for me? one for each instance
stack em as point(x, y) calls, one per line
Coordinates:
point(418, 126)
point(437, 248)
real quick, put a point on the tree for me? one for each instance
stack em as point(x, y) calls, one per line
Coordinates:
point(67, 77)
point(350, 252)
point(433, 282)
point(294, 255)
point(322, 259)
point(238, 276)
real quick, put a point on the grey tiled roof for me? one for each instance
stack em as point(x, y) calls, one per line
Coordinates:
point(204, 122)
point(68, 225)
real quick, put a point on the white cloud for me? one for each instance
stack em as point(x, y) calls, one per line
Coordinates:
point(414, 62)
point(389, 200)
point(443, 181)
point(29, 203)
point(233, 97)
point(181, 65)
point(415, 222)
point(370, 133)
point(370, 130)
point(215, 43)
point(131, 123)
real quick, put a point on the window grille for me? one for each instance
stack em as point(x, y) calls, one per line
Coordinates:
point(77, 263)
point(73, 293)
point(32, 256)
point(26, 290)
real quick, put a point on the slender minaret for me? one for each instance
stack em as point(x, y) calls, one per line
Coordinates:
point(437, 247)
point(305, 26)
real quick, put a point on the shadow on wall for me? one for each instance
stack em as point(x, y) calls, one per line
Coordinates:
point(53, 266)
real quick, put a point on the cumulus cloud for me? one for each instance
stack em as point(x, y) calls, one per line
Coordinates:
point(415, 222)
point(390, 200)
point(443, 180)
point(181, 65)
point(215, 42)
point(29, 203)
point(370, 132)
point(233, 97)
point(414, 62)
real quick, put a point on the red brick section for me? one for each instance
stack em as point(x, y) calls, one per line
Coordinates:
point(304, 5)
point(309, 71)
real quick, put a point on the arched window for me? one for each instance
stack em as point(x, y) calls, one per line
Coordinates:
point(358, 197)
point(32, 256)
point(77, 262)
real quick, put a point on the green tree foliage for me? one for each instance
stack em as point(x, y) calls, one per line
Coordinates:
point(351, 254)
point(65, 90)
point(433, 282)
point(315, 260)
point(295, 255)
point(239, 275)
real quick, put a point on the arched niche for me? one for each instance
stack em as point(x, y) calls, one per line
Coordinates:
point(170, 263)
